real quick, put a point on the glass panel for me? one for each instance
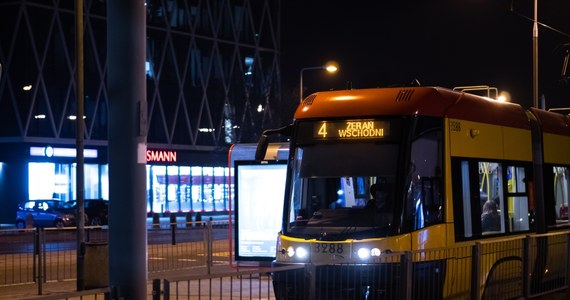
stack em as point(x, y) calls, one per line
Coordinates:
point(561, 193)
point(465, 187)
point(424, 181)
point(518, 206)
point(52, 180)
point(91, 181)
point(149, 188)
point(228, 189)
point(208, 180)
point(333, 184)
point(105, 181)
point(158, 179)
point(41, 181)
point(172, 190)
point(518, 213)
point(197, 197)
point(491, 187)
point(63, 186)
point(185, 194)
point(219, 187)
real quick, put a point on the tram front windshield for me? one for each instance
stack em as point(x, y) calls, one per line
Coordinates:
point(342, 190)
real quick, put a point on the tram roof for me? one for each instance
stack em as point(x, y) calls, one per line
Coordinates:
point(552, 122)
point(425, 101)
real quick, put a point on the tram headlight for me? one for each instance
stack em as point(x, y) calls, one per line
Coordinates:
point(302, 252)
point(290, 251)
point(299, 252)
point(375, 252)
point(363, 253)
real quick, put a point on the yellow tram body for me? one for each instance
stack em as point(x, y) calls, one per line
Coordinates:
point(444, 155)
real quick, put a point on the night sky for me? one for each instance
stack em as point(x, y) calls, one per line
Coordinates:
point(444, 43)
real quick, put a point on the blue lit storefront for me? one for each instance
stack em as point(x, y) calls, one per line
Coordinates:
point(44, 171)
point(52, 173)
point(177, 181)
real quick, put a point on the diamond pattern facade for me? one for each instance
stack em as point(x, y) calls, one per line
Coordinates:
point(212, 71)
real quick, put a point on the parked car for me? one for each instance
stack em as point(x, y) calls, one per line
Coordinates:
point(44, 213)
point(96, 211)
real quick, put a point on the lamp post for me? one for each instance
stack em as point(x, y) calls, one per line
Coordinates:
point(331, 67)
point(535, 56)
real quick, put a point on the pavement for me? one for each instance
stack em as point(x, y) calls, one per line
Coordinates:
point(67, 289)
point(49, 289)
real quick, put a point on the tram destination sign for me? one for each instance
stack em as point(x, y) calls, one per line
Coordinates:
point(351, 129)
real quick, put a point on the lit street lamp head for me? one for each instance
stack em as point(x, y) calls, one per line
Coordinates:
point(331, 67)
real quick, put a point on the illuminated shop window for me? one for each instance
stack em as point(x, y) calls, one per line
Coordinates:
point(58, 181)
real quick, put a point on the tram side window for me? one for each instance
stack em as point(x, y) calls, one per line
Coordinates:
point(517, 199)
point(561, 189)
point(491, 196)
point(424, 194)
point(465, 203)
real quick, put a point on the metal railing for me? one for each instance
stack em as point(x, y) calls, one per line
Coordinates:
point(41, 255)
point(522, 267)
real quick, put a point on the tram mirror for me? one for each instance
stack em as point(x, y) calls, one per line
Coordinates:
point(264, 140)
point(261, 147)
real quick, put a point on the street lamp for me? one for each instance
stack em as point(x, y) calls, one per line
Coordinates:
point(331, 67)
point(535, 56)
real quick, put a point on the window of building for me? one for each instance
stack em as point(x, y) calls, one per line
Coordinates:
point(47, 180)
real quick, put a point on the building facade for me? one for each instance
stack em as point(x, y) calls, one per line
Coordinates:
point(213, 79)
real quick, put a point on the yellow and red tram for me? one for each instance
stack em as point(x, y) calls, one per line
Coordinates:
point(454, 168)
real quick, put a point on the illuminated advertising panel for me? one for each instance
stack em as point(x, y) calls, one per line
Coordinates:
point(260, 189)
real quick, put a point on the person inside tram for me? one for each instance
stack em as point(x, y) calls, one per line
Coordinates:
point(379, 203)
point(491, 218)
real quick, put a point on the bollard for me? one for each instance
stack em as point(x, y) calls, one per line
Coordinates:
point(173, 227)
point(198, 218)
point(155, 220)
point(188, 219)
point(208, 236)
point(406, 267)
point(156, 289)
point(37, 252)
point(166, 289)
